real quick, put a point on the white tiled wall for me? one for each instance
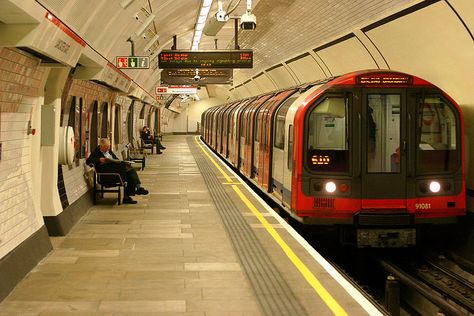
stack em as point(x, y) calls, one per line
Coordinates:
point(74, 181)
point(19, 83)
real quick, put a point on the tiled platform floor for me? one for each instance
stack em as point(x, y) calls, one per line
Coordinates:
point(159, 256)
point(171, 254)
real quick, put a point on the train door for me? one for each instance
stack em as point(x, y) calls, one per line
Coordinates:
point(249, 130)
point(383, 163)
point(280, 153)
point(266, 143)
point(219, 129)
point(242, 130)
point(225, 130)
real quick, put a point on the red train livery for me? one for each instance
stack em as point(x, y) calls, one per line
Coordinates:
point(375, 154)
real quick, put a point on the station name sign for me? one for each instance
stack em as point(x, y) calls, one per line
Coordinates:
point(205, 59)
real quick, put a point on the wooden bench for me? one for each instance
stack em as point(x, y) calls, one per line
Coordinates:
point(105, 182)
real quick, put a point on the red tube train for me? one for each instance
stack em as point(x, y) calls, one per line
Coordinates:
point(377, 155)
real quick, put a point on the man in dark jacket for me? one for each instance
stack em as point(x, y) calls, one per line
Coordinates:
point(106, 161)
point(147, 138)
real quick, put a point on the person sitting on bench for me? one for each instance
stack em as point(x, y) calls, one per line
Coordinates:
point(149, 139)
point(105, 161)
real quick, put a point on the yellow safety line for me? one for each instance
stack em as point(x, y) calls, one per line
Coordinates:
point(234, 183)
point(307, 274)
point(214, 162)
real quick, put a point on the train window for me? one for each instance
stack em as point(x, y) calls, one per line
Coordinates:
point(437, 135)
point(257, 127)
point(383, 133)
point(290, 147)
point(326, 136)
point(280, 123)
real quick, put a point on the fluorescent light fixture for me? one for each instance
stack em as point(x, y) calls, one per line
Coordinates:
point(151, 42)
point(126, 3)
point(145, 25)
point(203, 13)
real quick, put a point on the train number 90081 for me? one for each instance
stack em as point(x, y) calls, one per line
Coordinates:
point(423, 206)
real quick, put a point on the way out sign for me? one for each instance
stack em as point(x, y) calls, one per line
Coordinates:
point(176, 90)
point(133, 62)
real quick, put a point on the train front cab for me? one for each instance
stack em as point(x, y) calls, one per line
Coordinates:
point(381, 155)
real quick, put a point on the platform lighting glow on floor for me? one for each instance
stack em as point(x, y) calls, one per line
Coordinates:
point(206, 6)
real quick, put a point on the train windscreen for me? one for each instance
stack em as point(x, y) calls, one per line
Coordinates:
point(438, 133)
point(327, 136)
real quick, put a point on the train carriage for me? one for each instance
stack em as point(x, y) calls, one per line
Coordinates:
point(376, 154)
point(248, 135)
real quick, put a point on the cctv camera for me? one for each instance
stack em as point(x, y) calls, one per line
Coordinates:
point(136, 16)
point(196, 78)
point(221, 16)
point(248, 21)
point(144, 36)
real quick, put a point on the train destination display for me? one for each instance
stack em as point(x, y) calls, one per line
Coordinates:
point(205, 59)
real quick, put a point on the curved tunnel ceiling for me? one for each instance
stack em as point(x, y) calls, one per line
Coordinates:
point(285, 29)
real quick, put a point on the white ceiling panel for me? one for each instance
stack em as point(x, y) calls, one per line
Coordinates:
point(253, 88)
point(306, 68)
point(346, 56)
point(281, 77)
point(288, 26)
point(450, 66)
point(264, 83)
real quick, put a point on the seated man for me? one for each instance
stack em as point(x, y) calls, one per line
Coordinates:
point(149, 139)
point(105, 160)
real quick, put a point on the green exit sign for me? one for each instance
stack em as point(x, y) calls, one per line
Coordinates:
point(133, 62)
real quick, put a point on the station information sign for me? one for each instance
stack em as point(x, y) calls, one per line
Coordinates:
point(175, 90)
point(133, 62)
point(205, 59)
point(186, 76)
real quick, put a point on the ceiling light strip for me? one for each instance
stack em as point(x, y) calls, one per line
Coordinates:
point(203, 13)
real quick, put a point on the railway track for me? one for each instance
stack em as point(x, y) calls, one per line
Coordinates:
point(438, 279)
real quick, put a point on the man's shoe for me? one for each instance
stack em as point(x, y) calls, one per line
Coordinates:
point(162, 147)
point(159, 153)
point(128, 200)
point(141, 191)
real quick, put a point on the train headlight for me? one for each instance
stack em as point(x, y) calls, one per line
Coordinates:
point(330, 187)
point(435, 186)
